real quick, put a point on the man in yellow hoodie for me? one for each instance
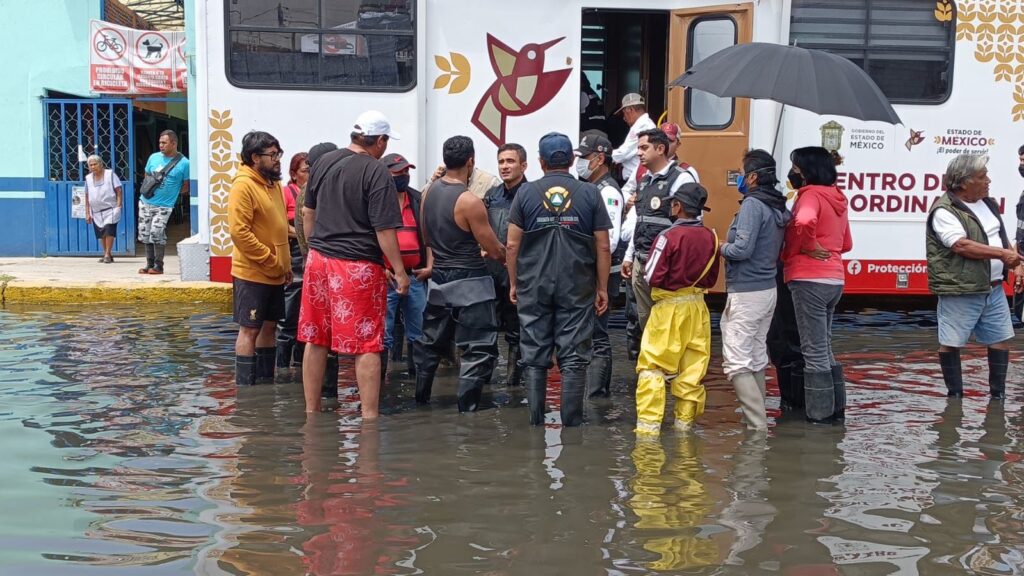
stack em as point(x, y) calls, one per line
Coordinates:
point(260, 261)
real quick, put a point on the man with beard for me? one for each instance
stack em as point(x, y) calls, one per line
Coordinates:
point(558, 265)
point(260, 260)
point(461, 298)
point(512, 170)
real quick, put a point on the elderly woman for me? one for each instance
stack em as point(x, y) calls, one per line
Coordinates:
point(103, 204)
point(969, 255)
point(816, 239)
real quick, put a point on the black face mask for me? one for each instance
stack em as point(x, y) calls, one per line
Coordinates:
point(1021, 169)
point(402, 182)
point(796, 180)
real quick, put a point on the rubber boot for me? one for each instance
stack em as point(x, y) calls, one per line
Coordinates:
point(158, 258)
point(265, 363)
point(385, 357)
point(424, 385)
point(751, 400)
point(149, 260)
point(536, 380)
point(410, 365)
point(245, 370)
point(574, 384)
point(297, 352)
point(632, 349)
point(951, 373)
point(839, 381)
point(796, 385)
point(470, 392)
point(329, 389)
point(599, 377)
point(784, 376)
point(819, 396)
point(514, 369)
point(284, 354)
point(998, 362)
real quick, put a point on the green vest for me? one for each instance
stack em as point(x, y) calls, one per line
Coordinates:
point(949, 273)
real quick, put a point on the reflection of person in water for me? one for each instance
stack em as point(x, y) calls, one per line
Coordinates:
point(749, 512)
point(670, 502)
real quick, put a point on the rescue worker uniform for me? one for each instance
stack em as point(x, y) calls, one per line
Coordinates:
point(676, 344)
point(652, 217)
point(499, 202)
point(460, 301)
point(556, 282)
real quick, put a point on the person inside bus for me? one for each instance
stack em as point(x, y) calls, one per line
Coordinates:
point(664, 177)
point(969, 255)
point(751, 253)
point(512, 170)
point(558, 265)
point(816, 239)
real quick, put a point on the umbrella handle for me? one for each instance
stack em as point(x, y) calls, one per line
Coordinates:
point(778, 128)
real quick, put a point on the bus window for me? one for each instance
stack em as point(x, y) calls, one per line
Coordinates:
point(707, 35)
point(905, 49)
point(321, 45)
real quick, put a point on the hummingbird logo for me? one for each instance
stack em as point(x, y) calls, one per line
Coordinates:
point(522, 86)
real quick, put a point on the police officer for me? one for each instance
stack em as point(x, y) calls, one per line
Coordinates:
point(664, 176)
point(558, 265)
point(593, 161)
point(460, 298)
point(512, 171)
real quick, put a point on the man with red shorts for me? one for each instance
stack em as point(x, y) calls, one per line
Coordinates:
point(351, 216)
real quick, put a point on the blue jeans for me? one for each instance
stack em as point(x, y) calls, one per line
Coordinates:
point(412, 305)
point(986, 315)
point(815, 304)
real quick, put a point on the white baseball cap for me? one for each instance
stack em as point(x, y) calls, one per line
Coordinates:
point(631, 99)
point(374, 123)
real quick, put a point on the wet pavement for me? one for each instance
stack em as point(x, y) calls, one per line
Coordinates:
point(127, 450)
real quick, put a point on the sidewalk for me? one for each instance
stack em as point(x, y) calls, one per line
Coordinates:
point(75, 280)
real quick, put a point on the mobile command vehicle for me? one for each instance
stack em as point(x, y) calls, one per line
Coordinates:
point(511, 72)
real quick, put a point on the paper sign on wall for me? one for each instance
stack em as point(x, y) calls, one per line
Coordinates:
point(128, 61)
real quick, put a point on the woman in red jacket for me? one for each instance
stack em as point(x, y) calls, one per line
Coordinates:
point(816, 238)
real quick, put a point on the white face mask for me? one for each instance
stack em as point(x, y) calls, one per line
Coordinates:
point(583, 168)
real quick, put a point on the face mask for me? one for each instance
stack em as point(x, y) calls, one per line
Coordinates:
point(741, 184)
point(402, 182)
point(583, 168)
point(796, 180)
point(1021, 170)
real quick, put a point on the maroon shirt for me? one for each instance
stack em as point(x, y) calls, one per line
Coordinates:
point(679, 256)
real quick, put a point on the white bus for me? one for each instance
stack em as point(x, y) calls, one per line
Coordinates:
point(512, 71)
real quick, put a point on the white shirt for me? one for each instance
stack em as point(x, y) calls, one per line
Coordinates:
point(613, 203)
point(103, 198)
point(627, 153)
point(688, 175)
point(949, 230)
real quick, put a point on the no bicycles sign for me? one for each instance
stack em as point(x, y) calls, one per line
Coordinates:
point(128, 61)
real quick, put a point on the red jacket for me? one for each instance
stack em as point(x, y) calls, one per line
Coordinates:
point(820, 217)
point(679, 256)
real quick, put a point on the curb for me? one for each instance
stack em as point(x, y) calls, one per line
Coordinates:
point(26, 292)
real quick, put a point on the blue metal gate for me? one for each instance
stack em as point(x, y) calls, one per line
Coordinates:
point(102, 127)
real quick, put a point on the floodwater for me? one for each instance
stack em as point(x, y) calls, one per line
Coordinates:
point(127, 450)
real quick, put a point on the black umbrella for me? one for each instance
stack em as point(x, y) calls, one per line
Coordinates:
point(813, 80)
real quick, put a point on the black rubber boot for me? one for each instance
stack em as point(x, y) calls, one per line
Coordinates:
point(470, 392)
point(574, 384)
point(998, 363)
point(410, 364)
point(951, 374)
point(784, 377)
point(632, 349)
point(839, 381)
point(298, 351)
point(819, 396)
point(149, 259)
point(536, 380)
point(796, 385)
point(329, 389)
point(265, 363)
point(284, 354)
point(515, 368)
point(245, 370)
point(424, 385)
point(385, 357)
point(599, 377)
point(158, 257)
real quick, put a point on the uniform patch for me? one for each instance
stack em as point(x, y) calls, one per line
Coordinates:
point(556, 199)
point(655, 203)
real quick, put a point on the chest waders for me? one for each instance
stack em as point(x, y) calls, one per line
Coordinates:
point(498, 210)
point(556, 283)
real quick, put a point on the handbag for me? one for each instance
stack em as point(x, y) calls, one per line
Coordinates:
point(153, 180)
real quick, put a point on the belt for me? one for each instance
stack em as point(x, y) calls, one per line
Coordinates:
point(996, 283)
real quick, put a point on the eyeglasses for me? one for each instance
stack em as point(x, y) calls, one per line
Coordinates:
point(275, 156)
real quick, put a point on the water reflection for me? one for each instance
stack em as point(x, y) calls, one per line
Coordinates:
point(128, 450)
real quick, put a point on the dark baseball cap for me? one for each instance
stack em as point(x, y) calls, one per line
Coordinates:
point(594, 141)
point(556, 149)
point(693, 197)
point(396, 163)
point(319, 150)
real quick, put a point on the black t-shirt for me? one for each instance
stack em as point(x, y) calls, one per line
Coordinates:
point(586, 212)
point(354, 196)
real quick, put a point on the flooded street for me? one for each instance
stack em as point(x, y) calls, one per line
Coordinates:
point(127, 450)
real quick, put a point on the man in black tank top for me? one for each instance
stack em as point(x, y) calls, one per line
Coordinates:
point(461, 298)
point(558, 269)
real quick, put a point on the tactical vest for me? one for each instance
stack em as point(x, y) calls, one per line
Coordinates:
point(653, 210)
point(949, 273)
